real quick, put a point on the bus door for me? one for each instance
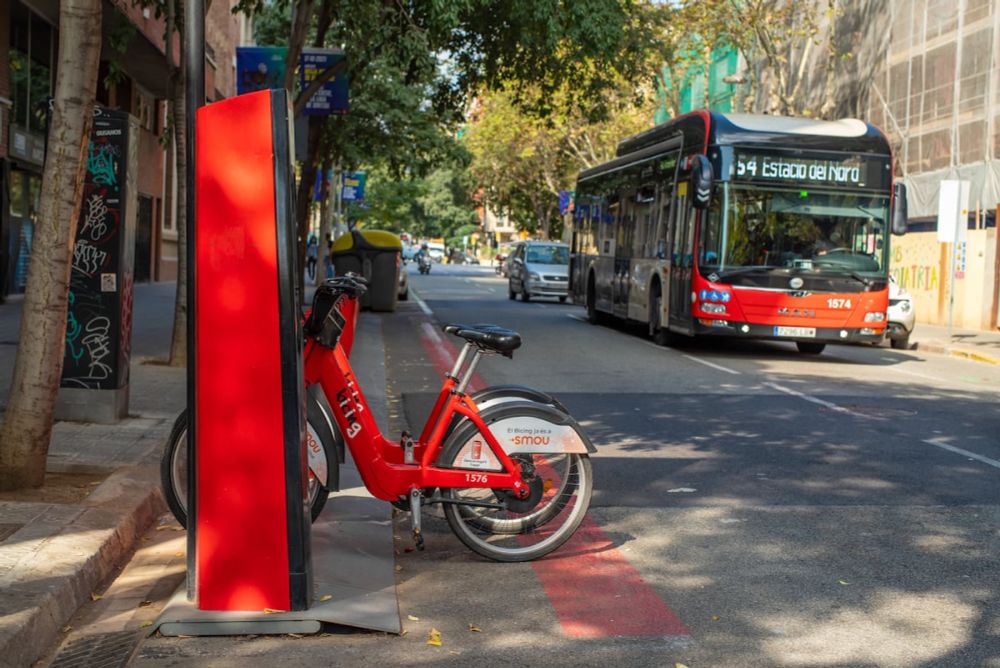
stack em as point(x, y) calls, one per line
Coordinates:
point(681, 259)
point(624, 233)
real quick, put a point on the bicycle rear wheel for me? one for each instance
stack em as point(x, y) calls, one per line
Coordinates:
point(174, 469)
point(524, 530)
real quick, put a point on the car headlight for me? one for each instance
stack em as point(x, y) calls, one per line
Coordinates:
point(533, 276)
point(905, 306)
point(874, 316)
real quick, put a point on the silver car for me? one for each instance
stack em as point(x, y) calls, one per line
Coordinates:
point(901, 316)
point(539, 269)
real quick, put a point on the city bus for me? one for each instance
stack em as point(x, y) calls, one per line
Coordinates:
point(762, 227)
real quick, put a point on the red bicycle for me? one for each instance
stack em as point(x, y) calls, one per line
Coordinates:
point(514, 477)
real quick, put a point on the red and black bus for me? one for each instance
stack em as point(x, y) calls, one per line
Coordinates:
point(763, 227)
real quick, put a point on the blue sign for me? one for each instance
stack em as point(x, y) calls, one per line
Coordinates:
point(565, 201)
point(352, 186)
point(331, 98)
point(260, 67)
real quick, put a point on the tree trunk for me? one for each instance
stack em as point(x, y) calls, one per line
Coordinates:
point(27, 422)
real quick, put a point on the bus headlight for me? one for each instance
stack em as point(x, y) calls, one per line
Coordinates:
point(713, 308)
point(875, 316)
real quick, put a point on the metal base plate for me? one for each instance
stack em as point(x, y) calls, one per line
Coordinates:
point(353, 563)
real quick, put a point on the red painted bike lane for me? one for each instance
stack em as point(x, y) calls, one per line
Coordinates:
point(607, 596)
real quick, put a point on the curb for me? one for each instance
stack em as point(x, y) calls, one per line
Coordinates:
point(942, 349)
point(79, 560)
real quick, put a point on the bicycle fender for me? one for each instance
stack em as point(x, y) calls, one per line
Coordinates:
point(519, 427)
point(496, 394)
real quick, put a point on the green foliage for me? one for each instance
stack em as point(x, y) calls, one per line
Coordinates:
point(119, 36)
point(434, 206)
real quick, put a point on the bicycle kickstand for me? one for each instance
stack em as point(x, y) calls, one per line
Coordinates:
point(415, 499)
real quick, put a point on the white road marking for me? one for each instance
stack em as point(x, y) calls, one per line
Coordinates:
point(816, 400)
point(711, 364)
point(432, 333)
point(937, 442)
point(423, 307)
point(936, 379)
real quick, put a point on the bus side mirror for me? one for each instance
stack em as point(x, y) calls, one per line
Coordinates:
point(899, 208)
point(702, 181)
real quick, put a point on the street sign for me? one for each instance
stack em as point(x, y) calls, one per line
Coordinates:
point(260, 67)
point(953, 211)
point(352, 186)
point(331, 98)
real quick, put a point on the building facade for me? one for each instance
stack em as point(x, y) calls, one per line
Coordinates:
point(134, 49)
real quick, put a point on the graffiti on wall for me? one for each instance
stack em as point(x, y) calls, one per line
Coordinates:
point(915, 264)
point(95, 333)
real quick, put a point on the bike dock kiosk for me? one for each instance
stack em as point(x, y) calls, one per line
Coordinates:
point(255, 564)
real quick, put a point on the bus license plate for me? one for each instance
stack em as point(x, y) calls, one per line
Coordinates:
point(801, 332)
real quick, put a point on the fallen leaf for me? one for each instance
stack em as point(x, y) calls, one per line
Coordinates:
point(178, 554)
point(715, 618)
point(398, 568)
point(475, 629)
point(96, 597)
point(325, 597)
point(271, 611)
point(679, 665)
point(67, 629)
point(412, 618)
point(407, 549)
point(434, 638)
point(143, 604)
point(295, 635)
point(843, 582)
point(145, 624)
point(403, 632)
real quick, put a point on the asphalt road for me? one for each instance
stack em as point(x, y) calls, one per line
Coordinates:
point(753, 507)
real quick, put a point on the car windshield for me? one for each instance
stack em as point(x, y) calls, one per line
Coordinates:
point(548, 254)
point(756, 228)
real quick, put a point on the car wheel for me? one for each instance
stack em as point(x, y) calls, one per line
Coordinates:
point(525, 297)
point(510, 291)
point(901, 343)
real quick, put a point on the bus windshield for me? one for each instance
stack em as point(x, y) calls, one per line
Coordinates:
point(749, 229)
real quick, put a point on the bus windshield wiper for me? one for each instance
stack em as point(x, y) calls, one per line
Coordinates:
point(739, 271)
point(867, 282)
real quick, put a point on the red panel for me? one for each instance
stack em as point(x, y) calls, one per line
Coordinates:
point(242, 540)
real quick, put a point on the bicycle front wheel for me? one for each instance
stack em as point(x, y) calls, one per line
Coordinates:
point(524, 531)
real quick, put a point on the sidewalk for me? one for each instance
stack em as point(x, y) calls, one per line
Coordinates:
point(57, 547)
point(60, 543)
point(975, 345)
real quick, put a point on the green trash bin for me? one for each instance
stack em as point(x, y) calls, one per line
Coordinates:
point(374, 254)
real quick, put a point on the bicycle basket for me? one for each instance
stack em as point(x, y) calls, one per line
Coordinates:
point(325, 323)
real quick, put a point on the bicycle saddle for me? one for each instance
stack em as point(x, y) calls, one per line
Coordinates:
point(493, 337)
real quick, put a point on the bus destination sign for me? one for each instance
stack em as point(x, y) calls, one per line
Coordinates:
point(849, 171)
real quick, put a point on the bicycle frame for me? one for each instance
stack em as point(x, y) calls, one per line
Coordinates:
point(393, 470)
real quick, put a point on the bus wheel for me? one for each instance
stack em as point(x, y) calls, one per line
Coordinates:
point(593, 317)
point(810, 347)
point(660, 335)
